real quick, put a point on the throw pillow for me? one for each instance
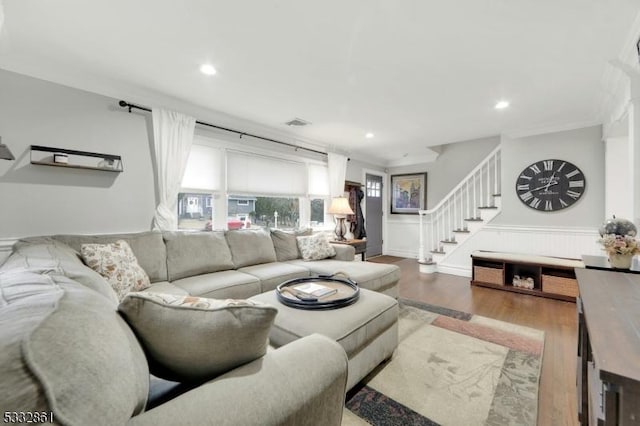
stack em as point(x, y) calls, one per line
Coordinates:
point(117, 263)
point(315, 247)
point(286, 244)
point(193, 339)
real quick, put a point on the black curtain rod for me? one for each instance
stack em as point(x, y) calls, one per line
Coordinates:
point(125, 104)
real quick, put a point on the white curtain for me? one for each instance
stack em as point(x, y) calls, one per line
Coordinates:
point(172, 138)
point(337, 172)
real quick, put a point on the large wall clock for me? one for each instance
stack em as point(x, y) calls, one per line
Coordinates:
point(550, 185)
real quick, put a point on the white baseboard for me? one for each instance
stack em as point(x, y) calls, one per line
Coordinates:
point(455, 270)
point(411, 254)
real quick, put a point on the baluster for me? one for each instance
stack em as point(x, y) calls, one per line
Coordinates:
point(421, 239)
point(444, 228)
point(433, 233)
point(495, 169)
point(489, 203)
point(468, 202)
point(475, 201)
point(481, 189)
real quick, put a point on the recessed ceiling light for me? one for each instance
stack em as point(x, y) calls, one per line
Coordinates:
point(369, 135)
point(207, 69)
point(502, 105)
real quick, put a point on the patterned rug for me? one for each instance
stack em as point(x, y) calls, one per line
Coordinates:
point(452, 368)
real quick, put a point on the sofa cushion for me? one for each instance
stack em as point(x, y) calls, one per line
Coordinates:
point(148, 247)
point(64, 348)
point(273, 274)
point(315, 247)
point(285, 243)
point(372, 276)
point(195, 253)
point(48, 256)
point(192, 339)
point(221, 285)
point(117, 263)
point(250, 247)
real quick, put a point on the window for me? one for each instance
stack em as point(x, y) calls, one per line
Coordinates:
point(264, 212)
point(243, 202)
point(374, 189)
point(194, 211)
point(317, 212)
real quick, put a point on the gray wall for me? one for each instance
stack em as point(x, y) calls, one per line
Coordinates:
point(582, 147)
point(39, 200)
point(455, 162)
point(356, 168)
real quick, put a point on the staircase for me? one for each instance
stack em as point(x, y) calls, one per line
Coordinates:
point(473, 203)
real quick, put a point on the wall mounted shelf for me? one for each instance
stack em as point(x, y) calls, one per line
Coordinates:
point(72, 159)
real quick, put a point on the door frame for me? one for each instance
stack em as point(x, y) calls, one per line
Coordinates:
point(385, 197)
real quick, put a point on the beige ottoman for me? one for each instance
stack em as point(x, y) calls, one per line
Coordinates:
point(367, 330)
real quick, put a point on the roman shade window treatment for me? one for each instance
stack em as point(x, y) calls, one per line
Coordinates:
point(256, 174)
point(205, 168)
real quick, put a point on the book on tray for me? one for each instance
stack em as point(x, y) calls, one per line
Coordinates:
point(313, 290)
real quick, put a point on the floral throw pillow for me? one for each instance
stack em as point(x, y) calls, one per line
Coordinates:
point(117, 263)
point(315, 247)
point(193, 339)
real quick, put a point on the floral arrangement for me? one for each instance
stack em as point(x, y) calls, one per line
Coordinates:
point(620, 244)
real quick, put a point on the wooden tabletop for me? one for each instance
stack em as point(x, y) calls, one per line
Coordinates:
point(611, 303)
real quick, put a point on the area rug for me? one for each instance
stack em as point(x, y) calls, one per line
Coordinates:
point(452, 368)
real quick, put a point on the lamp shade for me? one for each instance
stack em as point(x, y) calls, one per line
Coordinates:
point(340, 205)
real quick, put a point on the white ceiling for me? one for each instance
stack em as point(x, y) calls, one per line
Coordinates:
point(417, 73)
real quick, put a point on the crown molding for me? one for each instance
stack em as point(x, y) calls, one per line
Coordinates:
point(552, 128)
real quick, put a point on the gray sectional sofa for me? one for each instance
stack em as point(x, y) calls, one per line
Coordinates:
point(65, 350)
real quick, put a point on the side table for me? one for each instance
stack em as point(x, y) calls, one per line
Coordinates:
point(359, 245)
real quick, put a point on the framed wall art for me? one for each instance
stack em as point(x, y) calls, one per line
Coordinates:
point(408, 193)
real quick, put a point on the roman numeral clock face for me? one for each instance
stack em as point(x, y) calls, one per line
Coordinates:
point(550, 185)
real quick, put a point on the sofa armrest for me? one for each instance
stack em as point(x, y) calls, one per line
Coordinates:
point(344, 252)
point(302, 383)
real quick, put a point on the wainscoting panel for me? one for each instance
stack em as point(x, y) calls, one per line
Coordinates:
point(559, 242)
point(402, 238)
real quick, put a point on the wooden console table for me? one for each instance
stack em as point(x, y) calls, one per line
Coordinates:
point(359, 245)
point(608, 378)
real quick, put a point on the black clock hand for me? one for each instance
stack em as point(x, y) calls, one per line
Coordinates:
point(544, 186)
point(550, 180)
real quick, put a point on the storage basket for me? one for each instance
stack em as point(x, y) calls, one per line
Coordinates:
point(488, 275)
point(560, 285)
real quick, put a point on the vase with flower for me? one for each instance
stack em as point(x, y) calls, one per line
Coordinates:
point(619, 241)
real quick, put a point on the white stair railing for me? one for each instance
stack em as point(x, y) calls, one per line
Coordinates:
point(451, 214)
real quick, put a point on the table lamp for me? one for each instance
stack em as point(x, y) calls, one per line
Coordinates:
point(340, 209)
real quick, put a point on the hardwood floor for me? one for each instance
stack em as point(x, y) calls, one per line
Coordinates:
point(557, 401)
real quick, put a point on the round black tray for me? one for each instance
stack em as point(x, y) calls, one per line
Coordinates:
point(347, 294)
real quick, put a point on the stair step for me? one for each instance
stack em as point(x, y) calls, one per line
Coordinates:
point(438, 252)
point(487, 207)
point(427, 262)
point(462, 231)
point(449, 242)
point(474, 219)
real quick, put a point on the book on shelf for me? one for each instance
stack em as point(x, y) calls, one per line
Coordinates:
point(313, 290)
